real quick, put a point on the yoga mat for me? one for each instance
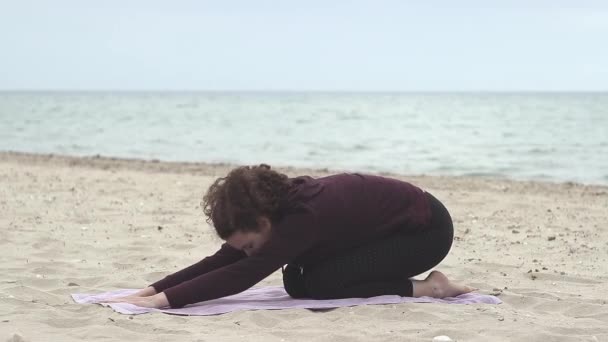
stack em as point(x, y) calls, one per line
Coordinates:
point(269, 298)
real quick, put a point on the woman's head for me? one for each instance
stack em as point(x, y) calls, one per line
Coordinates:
point(247, 201)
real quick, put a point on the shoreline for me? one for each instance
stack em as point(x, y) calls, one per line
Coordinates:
point(218, 169)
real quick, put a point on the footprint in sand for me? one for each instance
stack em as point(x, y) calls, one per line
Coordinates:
point(16, 337)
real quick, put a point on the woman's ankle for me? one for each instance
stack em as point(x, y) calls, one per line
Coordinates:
point(422, 288)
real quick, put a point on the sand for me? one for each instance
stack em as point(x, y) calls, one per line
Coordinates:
point(95, 224)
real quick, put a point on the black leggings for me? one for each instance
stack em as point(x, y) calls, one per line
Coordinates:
point(382, 267)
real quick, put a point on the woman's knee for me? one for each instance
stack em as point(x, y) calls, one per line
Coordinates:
point(318, 286)
point(293, 281)
point(321, 291)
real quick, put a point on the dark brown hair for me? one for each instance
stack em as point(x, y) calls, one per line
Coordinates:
point(236, 201)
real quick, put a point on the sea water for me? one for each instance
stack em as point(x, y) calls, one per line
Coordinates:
point(536, 136)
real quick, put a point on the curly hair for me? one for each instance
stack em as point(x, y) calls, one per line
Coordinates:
point(235, 202)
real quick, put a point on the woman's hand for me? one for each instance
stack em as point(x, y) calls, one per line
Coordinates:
point(154, 301)
point(148, 291)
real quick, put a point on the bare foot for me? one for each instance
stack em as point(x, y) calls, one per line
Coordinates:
point(437, 285)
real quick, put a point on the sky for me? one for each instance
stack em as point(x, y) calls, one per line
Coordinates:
point(373, 45)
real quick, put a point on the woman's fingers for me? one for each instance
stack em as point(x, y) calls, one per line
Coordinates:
point(138, 301)
point(112, 300)
point(119, 299)
point(156, 301)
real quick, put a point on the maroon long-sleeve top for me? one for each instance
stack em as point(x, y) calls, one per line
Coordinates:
point(322, 217)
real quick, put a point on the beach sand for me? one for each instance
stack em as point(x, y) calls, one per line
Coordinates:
point(95, 224)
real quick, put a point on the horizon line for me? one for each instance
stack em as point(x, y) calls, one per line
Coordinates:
point(338, 91)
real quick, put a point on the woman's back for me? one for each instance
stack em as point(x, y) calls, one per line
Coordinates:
point(352, 209)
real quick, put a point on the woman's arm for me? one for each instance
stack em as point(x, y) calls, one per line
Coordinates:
point(226, 255)
point(153, 297)
point(286, 244)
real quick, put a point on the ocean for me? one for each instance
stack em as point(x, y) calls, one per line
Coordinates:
point(530, 136)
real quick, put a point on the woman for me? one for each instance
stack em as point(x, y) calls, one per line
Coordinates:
point(345, 235)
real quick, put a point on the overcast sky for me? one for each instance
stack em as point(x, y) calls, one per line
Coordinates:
point(370, 45)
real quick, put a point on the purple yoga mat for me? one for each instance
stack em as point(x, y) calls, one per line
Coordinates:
point(269, 298)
